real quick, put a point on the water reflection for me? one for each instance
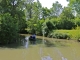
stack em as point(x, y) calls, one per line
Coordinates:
point(21, 43)
point(26, 43)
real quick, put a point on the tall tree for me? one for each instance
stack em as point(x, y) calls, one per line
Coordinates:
point(12, 19)
point(45, 13)
point(29, 6)
point(9, 29)
point(66, 18)
point(16, 9)
point(75, 4)
point(56, 9)
point(36, 14)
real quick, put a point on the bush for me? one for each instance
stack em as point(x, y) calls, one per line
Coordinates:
point(9, 29)
point(50, 25)
point(77, 21)
point(61, 35)
point(78, 38)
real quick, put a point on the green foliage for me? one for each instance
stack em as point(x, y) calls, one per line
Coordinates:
point(72, 33)
point(39, 27)
point(45, 13)
point(66, 19)
point(61, 35)
point(36, 27)
point(9, 29)
point(67, 24)
point(77, 21)
point(50, 25)
point(78, 38)
point(34, 15)
point(56, 23)
point(67, 13)
point(56, 9)
point(16, 9)
point(75, 5)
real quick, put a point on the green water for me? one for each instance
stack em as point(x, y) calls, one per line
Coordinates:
point(55, 48)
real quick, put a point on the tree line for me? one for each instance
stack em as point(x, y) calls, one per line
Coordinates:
point(28, 16)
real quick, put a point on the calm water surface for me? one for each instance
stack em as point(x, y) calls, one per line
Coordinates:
point(53, 49)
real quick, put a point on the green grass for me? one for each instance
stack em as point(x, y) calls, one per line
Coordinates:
point(74, 34)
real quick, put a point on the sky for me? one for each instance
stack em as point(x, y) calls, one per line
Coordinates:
point(48, 3)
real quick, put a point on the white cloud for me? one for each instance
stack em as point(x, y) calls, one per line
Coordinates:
point(48, 3)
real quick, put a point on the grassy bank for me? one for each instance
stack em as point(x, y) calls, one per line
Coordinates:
point(74, 34)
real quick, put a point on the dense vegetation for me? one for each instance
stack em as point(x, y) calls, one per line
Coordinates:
point(21, 16)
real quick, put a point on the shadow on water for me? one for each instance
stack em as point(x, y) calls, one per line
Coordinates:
point(17, 44)
point(50, 43)
point(22, 43)
point(39, 41)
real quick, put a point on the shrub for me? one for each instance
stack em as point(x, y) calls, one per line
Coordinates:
point(78, 38)
point(9, 29)
point(61, 35)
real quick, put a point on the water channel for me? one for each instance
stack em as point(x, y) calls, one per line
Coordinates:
point(53, 49)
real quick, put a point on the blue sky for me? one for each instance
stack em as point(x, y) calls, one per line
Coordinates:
point(48, 3)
